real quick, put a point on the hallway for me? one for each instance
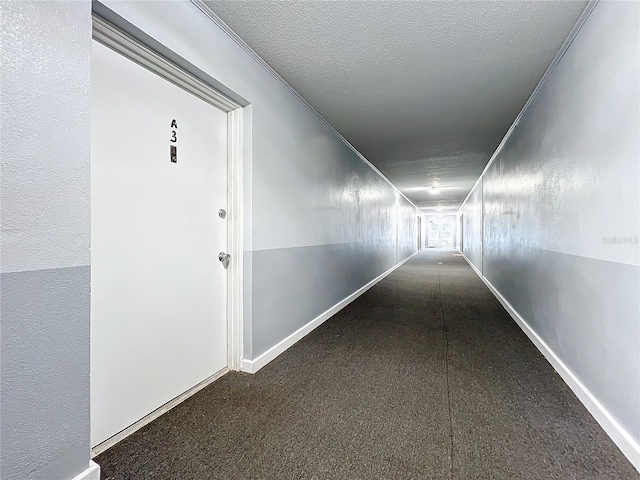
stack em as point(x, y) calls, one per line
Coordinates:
point(425, 376)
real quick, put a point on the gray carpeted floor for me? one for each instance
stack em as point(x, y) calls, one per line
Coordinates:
point(423, 377)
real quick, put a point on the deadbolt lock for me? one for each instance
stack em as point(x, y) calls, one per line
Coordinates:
point(222, 213)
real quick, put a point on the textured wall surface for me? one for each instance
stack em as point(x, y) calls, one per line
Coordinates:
point(44, 325)
point(407, 229)
point(472, 226)
point(562, 211)
point(44, 128)
point(322, 222)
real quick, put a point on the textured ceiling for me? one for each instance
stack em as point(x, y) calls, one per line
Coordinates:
point(424, 90)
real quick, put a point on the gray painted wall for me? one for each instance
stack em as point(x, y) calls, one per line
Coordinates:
point(44, 322)
point(472, 226)
point(562, 211)
point(407, 229)
point(320, 222)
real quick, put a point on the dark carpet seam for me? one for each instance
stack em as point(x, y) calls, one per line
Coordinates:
point(446, 364)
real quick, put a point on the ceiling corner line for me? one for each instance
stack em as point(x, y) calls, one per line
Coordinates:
point(591, 4)
point(206, 10)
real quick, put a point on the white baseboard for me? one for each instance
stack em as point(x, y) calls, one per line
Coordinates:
point(478, 272)
point(110, 442)
point(91, 473)
point(625, 442)
point(252, 366)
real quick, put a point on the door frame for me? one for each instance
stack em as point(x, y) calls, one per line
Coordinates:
point(461, 246)
point(118, 40)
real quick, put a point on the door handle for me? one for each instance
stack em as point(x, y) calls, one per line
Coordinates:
point(224, 258)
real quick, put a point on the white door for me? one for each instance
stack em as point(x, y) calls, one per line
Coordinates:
point(158, 291)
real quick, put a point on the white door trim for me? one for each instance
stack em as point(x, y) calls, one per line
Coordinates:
point(129, 47)
point(119, 41)
point(235, 235)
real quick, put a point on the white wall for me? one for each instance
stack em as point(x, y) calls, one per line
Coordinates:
point(322, 221)
point(562, 211)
